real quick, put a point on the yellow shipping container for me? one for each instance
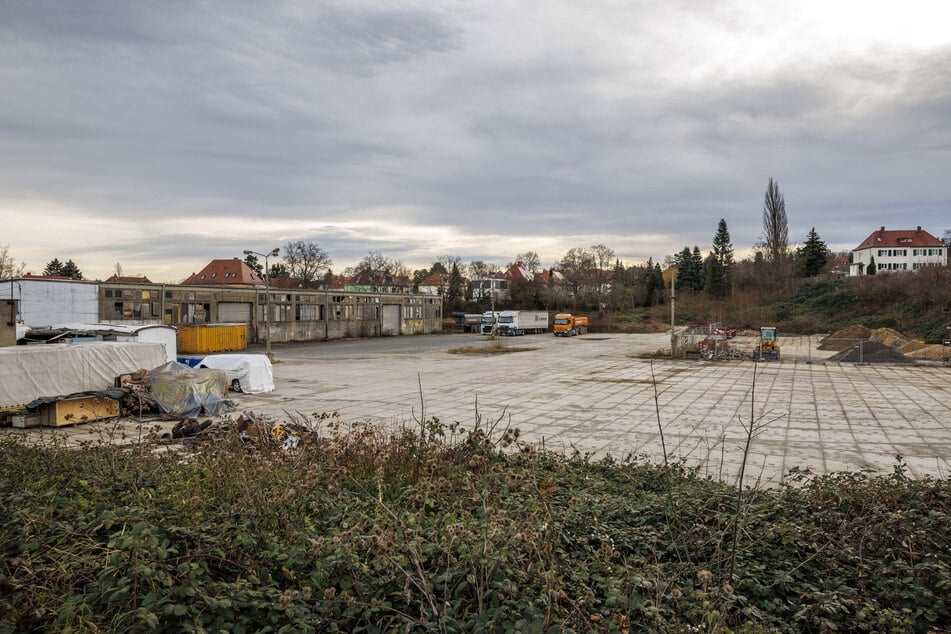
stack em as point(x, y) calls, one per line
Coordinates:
point(212, 338)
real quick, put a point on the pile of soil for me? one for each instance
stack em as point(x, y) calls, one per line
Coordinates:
point(932, 351)
point(842, 339)
point(891, 338)
point(871, 352)
point(882, 345)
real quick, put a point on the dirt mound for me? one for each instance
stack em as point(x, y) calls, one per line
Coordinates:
point(931, 352)
point(869, 352)
point(842, 339)
point(889, 337)
point(909, 347)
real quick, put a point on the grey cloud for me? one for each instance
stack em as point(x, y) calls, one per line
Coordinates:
point(343, 111)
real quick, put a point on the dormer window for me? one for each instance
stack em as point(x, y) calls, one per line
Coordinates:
point(214, 275)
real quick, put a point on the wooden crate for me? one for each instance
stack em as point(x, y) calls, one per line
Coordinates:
point(81, 409)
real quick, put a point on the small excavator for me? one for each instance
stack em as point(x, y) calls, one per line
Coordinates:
point(768, 347)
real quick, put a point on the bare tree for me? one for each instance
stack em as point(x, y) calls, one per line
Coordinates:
point(529, 260)
point(482, 268)
point(449, 260)
point(775, 225)
point(577, 266)
point(380, 269)
point(305, 260)
point(603, 257)
point(8, 266)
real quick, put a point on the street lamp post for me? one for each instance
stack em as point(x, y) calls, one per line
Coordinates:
point(267, 296)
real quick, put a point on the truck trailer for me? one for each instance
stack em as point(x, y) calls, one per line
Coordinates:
point(568, 325)
point(515, 322)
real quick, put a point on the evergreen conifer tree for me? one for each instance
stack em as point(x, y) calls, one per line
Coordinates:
point(718, 270)
point(813, 255)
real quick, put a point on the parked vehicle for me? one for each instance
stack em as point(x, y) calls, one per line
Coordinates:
point(490, 321)
point(768, 347)
point(515, 323)
point(568, 325)
point(248, 373)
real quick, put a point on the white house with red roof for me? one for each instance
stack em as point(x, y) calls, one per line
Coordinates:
point(898, 250)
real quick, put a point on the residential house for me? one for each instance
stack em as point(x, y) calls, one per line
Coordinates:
point(231, 272)
point(489, 286)
point(549, 278)
point(434, 284)
point(898, 250)
point(839, 266)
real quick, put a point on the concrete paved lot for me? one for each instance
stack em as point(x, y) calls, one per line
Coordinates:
point(592, 395)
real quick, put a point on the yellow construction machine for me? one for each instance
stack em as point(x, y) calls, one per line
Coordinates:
point(768, 347)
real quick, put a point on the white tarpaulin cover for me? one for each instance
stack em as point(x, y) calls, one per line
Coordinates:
point(31, 372)
point(253, 371)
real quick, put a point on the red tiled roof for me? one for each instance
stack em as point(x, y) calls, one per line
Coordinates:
point(434, 279)
point(518, 271)
point(234, 271)
point(899, 238)
point(130, 279)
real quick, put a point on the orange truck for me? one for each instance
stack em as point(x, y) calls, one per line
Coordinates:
point(568, 325)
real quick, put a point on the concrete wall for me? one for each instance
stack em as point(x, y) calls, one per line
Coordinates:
point(283, 332)
point(47, 302)
point(8, 324)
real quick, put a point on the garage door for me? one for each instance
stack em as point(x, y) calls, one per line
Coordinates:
point(391, 320)
point(234, 312)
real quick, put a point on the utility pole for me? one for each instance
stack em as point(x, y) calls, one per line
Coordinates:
point(267, 296)
point(673, 302)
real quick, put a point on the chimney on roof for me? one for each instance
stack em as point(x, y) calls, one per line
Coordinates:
point(919, 229)
point(883, 230)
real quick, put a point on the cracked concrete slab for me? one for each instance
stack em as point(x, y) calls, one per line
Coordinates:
point(593, 395)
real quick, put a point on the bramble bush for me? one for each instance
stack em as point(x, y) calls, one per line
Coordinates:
point(361, 530)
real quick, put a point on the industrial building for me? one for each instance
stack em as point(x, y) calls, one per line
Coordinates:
point(294, 314)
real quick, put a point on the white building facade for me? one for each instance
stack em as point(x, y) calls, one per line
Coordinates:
point(898, 250)
point(44, 301)
point(486, 287)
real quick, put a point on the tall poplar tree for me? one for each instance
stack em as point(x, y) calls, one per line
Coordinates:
point(775, 224)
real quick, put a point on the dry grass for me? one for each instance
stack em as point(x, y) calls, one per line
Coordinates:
point(489, 349)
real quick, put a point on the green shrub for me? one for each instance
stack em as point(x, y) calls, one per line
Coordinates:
point(359, 530)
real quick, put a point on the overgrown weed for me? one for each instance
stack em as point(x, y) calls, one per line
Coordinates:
point(454, 529)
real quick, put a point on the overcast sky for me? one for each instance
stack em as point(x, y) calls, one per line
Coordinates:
point(160, 135)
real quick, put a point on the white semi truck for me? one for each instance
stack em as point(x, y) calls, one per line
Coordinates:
point(515, 322)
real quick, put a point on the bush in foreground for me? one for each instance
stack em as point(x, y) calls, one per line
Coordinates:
point(360, 531)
